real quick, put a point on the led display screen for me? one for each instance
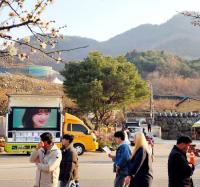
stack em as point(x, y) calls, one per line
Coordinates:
point(33, 118)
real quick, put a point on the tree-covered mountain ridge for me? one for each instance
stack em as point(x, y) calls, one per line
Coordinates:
point(162, 53)
point(169, 74)
point(164, 63)
point(177, 36)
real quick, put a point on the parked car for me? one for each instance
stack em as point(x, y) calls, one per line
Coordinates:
point(132, 131)
point(133, 124)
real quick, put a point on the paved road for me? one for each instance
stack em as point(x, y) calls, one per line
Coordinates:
point(95, 169)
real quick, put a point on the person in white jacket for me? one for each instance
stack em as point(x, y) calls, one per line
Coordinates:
point(47, 158)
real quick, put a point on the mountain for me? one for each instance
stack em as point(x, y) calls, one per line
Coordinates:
point(177, 36)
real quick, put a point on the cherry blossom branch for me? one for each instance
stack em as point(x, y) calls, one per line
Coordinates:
point(49, 54)
point(16, 25)
point(20, 17)
point(67, 50)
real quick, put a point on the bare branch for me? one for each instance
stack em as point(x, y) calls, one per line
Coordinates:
point(1, 3)
point(34, 33)
point(20, 17)
point(67, 50)
point(3, 52)
point(17, 25)
point(49, 54)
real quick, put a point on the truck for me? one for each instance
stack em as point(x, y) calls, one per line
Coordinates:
point(84, 138)
point(131, 120)
point(28, 117)
point(31, 115)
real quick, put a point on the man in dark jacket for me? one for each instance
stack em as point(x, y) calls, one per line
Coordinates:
point(179, 169)
point(69, 162)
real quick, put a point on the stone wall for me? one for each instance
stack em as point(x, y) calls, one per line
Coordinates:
point(172, 127)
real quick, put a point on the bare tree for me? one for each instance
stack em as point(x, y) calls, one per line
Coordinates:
point(16, 15)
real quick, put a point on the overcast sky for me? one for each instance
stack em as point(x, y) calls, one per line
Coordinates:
point(103, 19)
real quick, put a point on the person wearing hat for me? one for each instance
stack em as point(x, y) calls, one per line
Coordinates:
point(47, 158)
point(69, 162)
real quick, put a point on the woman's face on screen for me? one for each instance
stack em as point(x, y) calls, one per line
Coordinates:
point(40, 118)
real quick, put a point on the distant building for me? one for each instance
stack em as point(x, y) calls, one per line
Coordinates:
point(57, 81)
point(38, 71)
point(31, 70)
point(188, 104)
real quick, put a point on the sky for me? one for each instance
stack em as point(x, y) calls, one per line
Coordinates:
point(104, 19)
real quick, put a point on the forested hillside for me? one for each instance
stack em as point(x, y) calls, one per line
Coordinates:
point(164, 63)
point(169, 74)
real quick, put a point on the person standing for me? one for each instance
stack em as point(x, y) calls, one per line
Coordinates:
point(179, 169)
point(143, 130)
point(123, 154)
point(47, 158)
point(140, 172)
point(149, 125)
point(69, 163)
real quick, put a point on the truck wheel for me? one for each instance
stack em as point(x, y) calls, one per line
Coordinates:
point(28, 153)
point(79, 148)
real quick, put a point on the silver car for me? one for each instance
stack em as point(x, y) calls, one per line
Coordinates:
point(132, 131)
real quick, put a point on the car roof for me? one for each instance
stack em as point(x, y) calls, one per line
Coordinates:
point(134, 127)
point(148, 134)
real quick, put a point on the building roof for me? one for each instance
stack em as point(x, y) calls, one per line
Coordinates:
point(57, 81)
point(185, 99)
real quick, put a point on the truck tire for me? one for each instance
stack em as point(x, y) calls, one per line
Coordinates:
point(79, 148)
point(28, 153)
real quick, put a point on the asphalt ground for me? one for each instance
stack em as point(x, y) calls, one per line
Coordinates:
point(95, 169)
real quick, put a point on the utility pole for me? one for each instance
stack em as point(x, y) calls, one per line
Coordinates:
point(151, 103)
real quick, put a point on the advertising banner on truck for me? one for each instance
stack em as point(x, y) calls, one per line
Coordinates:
point(33, 118)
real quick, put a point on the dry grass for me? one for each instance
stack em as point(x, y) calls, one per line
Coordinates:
point(21, 84)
